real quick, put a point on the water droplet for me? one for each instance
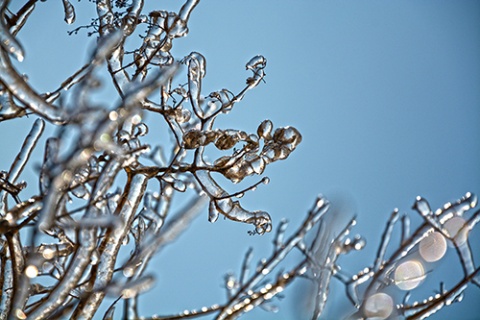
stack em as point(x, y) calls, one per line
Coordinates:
point(266, 180)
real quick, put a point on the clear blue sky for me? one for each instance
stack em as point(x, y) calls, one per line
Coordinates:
point(385, 93)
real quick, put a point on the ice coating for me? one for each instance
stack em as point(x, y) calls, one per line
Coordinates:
point(232, 209)
point(7, 41)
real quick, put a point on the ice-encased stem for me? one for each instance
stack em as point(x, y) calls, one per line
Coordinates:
point(155, 241)
point(15, 84)
point(81, 259)
point(386, 236)
point(26, 150)
point(129, 202)
point(7, 42)
point(315, 215)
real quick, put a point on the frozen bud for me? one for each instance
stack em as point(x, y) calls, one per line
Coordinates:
point(288, 135)
point(182, 115)
point(265, 130)
point(222, 161)
point(227, 140)
point(193, 139)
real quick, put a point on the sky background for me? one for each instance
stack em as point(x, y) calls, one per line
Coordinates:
point(385, 94)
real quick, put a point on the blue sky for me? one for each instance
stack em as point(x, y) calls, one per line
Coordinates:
point(385, 94)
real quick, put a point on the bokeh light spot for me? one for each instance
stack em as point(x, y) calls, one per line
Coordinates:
point(453, 227)
point(409, 275)
point(379, 305)
point(433, 247)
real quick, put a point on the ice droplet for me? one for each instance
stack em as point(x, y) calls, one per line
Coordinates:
point(212, 212)
point(69, 12)
point(179, 185)
point(255, 62)
point(422, 206)
point(129, 272)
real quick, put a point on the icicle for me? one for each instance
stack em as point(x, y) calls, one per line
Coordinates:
point(196, 72)
point(69, 12)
